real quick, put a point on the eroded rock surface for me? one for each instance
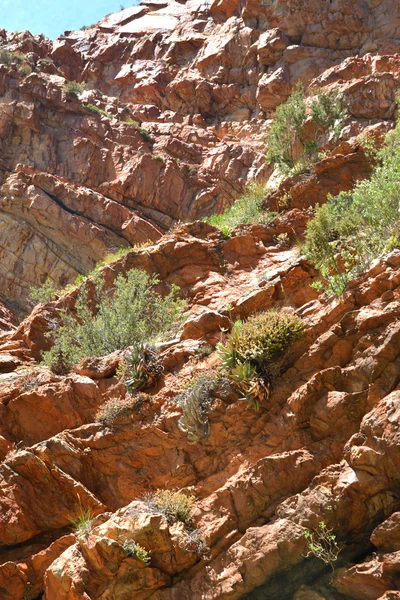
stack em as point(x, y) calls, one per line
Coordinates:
point(183, 96)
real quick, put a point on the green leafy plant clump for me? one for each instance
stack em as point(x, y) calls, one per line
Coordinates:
point(8, 58)
point(248, 209)
point(43, 293)
point(73, 88)
point(322, 544)
point(145, 134)
point(353, 228)
point(266, 336)
point(289, 145)
point(134, 549)
point(99, 111)
point(117, 408)
point(132, 312)
point(174, 504)
point(255, 352)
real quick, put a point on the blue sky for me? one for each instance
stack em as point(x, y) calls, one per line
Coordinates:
point(53, 17)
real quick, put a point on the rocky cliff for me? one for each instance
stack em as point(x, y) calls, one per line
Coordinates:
point(170, 126)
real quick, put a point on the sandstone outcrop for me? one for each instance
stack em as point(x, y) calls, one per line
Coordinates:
point(171, 127)
point(173, 122)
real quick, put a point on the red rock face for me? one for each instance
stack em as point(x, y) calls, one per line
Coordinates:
point(183, 96)
point(202, 80)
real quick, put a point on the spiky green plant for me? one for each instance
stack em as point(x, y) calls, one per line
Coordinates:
point(194, 401)
point(254, 353)
point(141, 368)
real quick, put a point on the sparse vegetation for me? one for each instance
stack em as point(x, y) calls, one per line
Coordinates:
point(192, 541)
point(322, 543)
point(99, 111)
point(30, 378)
point(82, 522)
point(174, 505)
point(28, 592)
point(113, 256)
point(353, 228)
point(43, 293)
point(129, 121)
point(145, 134)
point(131, 313)
point(132, 548)
point(247, 209)
point(73, 89)
point(8, 58)
point(117, 408)
point(141, 368)
point(25, 70)
point(254, 353)
point(194, 401)
point(289, 146)
point(203, 351)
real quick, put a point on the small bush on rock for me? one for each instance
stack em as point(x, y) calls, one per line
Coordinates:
point(322, 544)
point(254, 354)
point(99, 111)
point(117, 408)
point(145, 134)
point(174, 505)
point(43, 293)
point(352, 229)
point(248, 209)
point(8, 58)
point(82, 522)
point(141, 368)
point(131, 313)
point(73, 89)
point(132, 548)
point(289, 148)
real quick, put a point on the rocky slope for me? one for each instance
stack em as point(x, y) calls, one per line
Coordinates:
point(187, 92)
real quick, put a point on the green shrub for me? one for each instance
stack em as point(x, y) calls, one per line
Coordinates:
point(131, 313)
point(132, 548)
point(203, 351)
point(287, 131)
point(43, 293)
point(322, 544)
point(99, 111)
point(266, 336)
point(254, 353)
point(73, 88)
point(145, 134)
point(25, 70)
point(328, 111)
point(174, 505)
point(246, 209)
point(45, 62)
point(353, 228)
point(7, 57)
point(247, 381)
point(117, 408)
point(288, 147)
